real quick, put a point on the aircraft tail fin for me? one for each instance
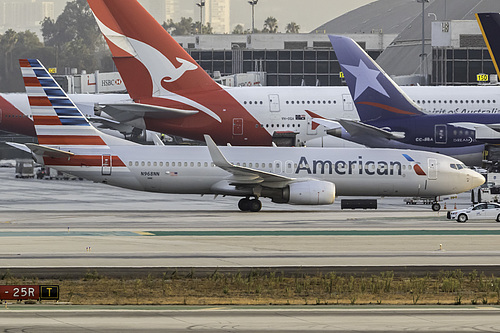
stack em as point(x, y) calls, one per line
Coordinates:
point(375, 94)
point(150, 61)
point(58, 121)
point(490, 28)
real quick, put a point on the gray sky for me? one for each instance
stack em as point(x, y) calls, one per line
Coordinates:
point(309, 14)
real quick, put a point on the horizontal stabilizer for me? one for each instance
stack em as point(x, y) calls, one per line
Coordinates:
point(356, 128)
point(242, 175)
point(327, 123)
point(20, 146)
point(133, 111)
point(48, 151)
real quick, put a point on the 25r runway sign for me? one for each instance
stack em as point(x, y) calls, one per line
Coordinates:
point(26, 292)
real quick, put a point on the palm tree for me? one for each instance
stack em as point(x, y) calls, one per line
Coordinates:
point(270, 25)
point(292, 28)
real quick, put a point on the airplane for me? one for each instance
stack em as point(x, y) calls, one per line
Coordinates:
point(489, 23)
point(293, 175)
point(390, 119)
point(176, 96)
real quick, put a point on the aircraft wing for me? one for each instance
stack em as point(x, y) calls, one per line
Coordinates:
point(243, 175)
point(356, 128)
point(130, 111)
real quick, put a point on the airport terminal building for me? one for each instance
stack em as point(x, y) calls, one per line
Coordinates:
point(389, 30)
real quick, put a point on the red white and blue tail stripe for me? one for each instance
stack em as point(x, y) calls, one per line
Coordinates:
point(57, 120)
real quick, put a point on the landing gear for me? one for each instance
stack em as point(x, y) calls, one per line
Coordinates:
point(250, 205)
point(436, 206)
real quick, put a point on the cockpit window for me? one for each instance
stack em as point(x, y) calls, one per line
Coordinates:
point(460, 166)
point(453, 166)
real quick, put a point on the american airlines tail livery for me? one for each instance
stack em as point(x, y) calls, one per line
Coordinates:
point(176, 96)
point(390, 119)
point(302, 176)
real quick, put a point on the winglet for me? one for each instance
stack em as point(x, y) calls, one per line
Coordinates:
point(375, 94)
point(217, 156)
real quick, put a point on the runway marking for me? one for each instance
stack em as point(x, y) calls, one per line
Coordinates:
point(226, 233)
point(66, 233)
point(144, 233)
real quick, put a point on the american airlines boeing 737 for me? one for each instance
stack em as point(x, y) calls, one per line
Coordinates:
point(302, 176)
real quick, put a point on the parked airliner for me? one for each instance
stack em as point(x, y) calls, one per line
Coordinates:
point(390, 119)
point(178, 97)
point(300, 175)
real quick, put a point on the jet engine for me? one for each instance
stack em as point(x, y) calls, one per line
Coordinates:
point(310, 192)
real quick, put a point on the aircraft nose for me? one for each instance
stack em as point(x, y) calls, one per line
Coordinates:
point(476, 179)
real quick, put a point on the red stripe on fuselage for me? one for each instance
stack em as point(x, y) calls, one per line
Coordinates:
point(388, 108)
point(72, 140)
point(82, 160)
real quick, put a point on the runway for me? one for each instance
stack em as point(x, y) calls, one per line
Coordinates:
point(81, 224)
point(251, 319)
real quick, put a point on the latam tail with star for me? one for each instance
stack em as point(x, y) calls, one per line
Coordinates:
point(390, 119)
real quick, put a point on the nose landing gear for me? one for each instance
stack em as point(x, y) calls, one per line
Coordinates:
point(250, 205)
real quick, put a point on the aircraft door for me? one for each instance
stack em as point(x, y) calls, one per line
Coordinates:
point(440, 134)
point(237, 126)
point(433, 168)
point(106, 165)
point(277, 167)
point(274, 103)
point(347, 102)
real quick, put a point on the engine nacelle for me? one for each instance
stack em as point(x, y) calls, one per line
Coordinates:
point(310, 192)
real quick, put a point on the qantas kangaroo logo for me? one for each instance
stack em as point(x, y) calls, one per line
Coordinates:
point(174, 73)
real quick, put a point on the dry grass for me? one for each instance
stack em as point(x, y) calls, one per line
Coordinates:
point(447, 287)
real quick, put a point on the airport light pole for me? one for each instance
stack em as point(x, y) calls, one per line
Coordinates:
point(423, 60)
point(253, 3)
point(201, 4)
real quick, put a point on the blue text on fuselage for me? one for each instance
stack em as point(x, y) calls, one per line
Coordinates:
point(359, 167)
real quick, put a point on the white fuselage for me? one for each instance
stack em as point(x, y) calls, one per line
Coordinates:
point(355, 172)
point(283, 109)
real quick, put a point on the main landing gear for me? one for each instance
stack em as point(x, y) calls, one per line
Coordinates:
point(249, 205)
point(436, 206)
